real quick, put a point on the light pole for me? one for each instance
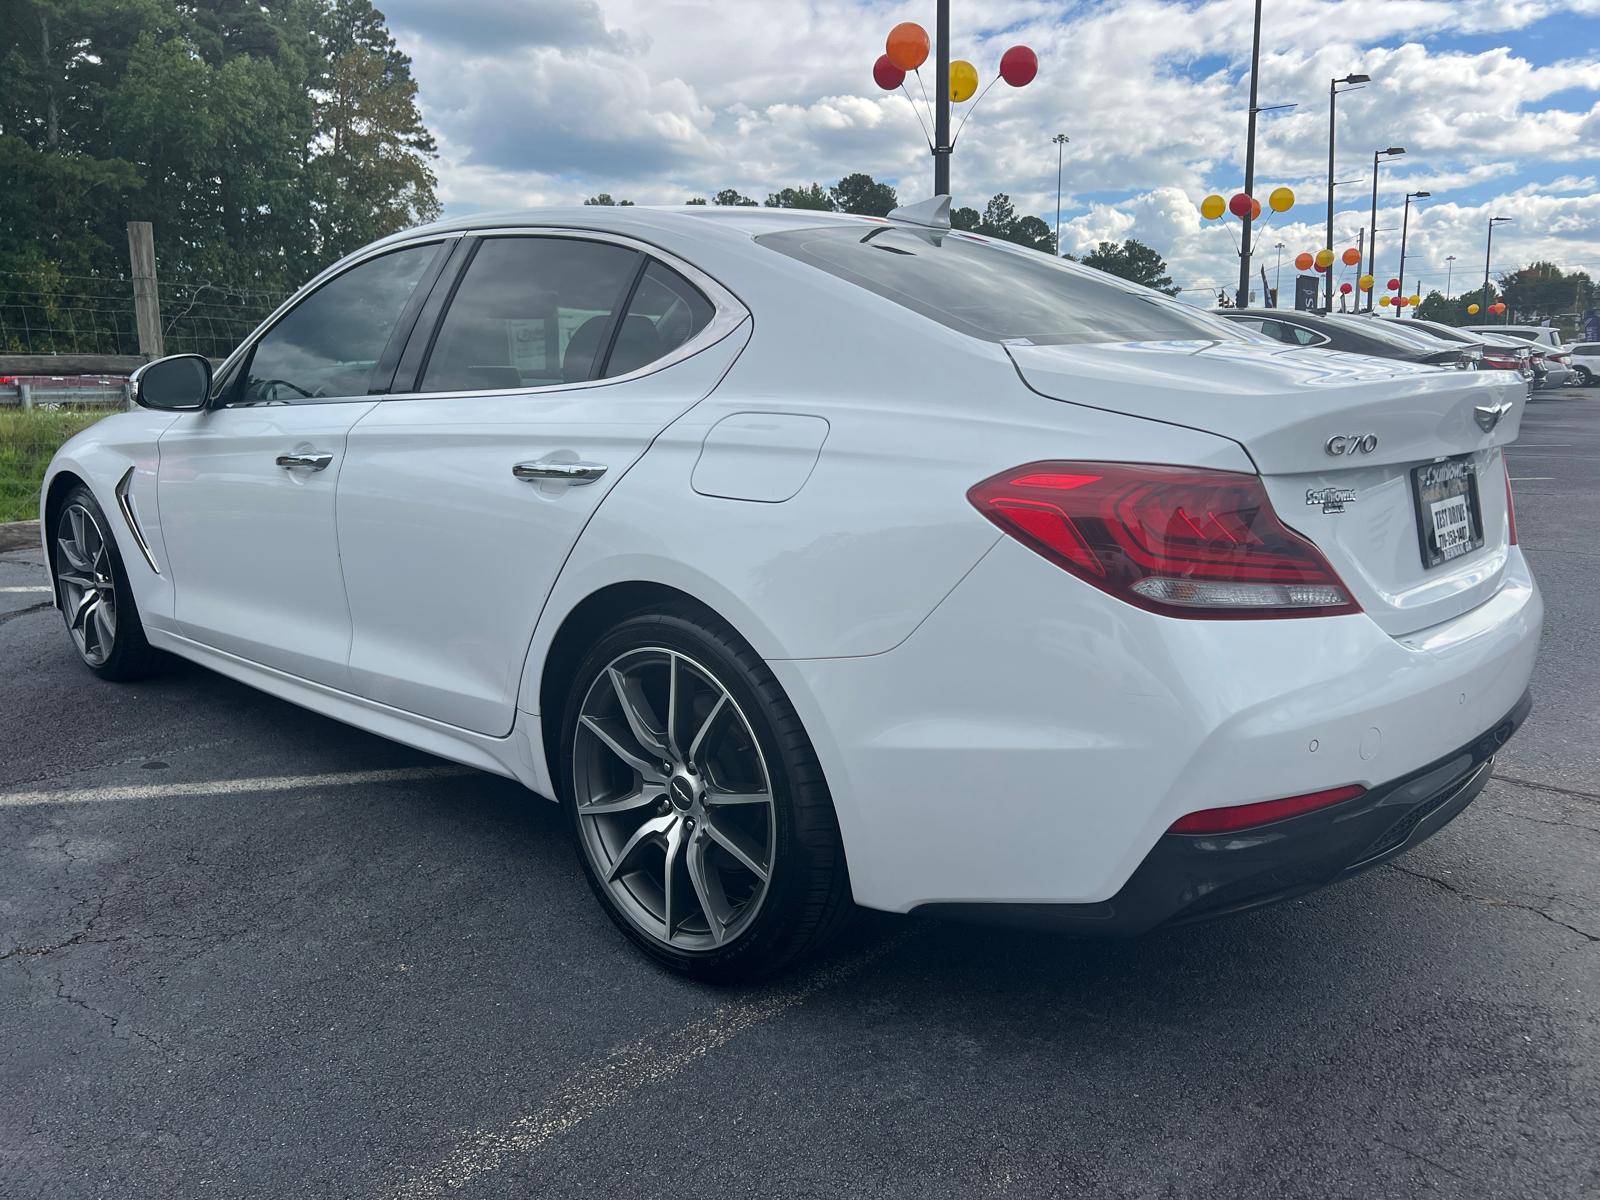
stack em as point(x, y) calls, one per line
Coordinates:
point(1061, 141)
point(1243, 298)
point(1488, 249)
point(1333, 96)
point(1405, 221)
point(1372, 247)
point(1277, 280)
point(1449, 271)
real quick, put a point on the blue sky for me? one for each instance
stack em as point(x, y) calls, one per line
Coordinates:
point(1497, 101)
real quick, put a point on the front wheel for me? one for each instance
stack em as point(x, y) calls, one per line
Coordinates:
point(701, 814)
point(96, 601)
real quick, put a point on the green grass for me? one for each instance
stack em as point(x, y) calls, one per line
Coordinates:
point(27, 442)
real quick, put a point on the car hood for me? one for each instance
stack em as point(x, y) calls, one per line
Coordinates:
point(1282, 404)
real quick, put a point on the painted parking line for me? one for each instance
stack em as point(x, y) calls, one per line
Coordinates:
point(13, 590)
point(609, 1079)
point(227, 787)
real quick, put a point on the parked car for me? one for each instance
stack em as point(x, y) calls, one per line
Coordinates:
point(1545, 335)
point(1353, 335)
point(809, 559)
point(1504, 353)
point(1585, 363)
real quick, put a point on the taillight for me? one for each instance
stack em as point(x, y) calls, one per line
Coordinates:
point(1174, 540)
point(1246, 816)
point(1511, 509)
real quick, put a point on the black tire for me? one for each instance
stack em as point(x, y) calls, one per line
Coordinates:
point(130, 655)
point(806, 898)
point(1585, 378)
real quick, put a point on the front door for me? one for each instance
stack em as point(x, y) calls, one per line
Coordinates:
point(246, 489)
point(454, 514)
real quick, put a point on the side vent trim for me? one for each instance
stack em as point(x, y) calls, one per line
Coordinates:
point(126, 505)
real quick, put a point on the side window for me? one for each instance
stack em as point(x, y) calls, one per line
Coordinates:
point(1298, 335)
point(530, 311)
point(1278, 332)
point(328, 344)
point(667, 310)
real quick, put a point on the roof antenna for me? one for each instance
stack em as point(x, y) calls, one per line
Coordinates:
point(929, 219)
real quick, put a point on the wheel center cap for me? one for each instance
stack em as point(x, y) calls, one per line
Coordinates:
point(682, 792)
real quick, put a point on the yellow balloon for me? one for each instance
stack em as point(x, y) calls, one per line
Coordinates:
point(1213, 207)
point(963, 81)
point(1366, 283)
point(1415, 300)
point(1281, 200)
point(1473, 309)
point(1383, 302)
point(1324, 259)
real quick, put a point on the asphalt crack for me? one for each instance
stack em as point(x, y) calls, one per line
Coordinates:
point(76, 939)
point(22, 612)
point(1546, 787)
point(1494, 900)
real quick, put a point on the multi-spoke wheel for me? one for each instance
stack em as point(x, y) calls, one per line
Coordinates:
point(702, 817)
point(95, 601)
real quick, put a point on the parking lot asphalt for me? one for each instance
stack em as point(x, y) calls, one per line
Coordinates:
point(247, 951)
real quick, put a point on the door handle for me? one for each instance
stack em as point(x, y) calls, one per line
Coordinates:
point(566, 472)
point(314, 461)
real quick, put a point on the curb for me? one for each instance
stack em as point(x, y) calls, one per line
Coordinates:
point(19, 535)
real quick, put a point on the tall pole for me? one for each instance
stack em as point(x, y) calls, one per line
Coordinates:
point(1243, 299)
point(1277, 280)
point(1372, 248)
point(146, 302)
point(1488, 250)
point(1405, 219)
point(1333, 97)
point(941, 110)
point(1061, 141)
point(1449, 271)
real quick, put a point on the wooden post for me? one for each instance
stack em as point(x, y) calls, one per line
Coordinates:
point(146, 303)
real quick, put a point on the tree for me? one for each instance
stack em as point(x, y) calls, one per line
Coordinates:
point(604, 200)
point(730, 198)
point(1542, 289)
point(696, 200)
point(999, 220)
point(815, 197)
point(1134, 261)
point(862, 195)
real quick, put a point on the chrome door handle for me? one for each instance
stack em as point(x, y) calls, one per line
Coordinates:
point(315, 462)
point(573, 473)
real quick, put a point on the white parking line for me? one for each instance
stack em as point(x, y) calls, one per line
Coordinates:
point(13, 590)
point(226, 787)
point(608, 1080)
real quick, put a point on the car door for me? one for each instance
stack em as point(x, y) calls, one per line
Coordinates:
point(246, 487)
point(556, 362)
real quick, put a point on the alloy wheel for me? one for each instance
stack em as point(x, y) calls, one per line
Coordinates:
point(674, 799)
point(88, 584)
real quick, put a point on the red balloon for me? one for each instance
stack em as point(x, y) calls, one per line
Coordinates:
point(1240, 205)
point(1018, 66)
point(886, 75)
point(1345, 289)
point(1320, 269)
point(1394, 285)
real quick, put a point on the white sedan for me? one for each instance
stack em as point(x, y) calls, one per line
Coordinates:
point(815, 560)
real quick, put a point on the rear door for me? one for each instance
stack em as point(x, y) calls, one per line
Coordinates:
point(557, 361)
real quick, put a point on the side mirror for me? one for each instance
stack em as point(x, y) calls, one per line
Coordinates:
point(181, 383)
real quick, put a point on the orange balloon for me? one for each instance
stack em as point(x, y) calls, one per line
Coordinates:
point(907, 46)
point(1255, 210)
point(1351, 257)
point(1303, 262)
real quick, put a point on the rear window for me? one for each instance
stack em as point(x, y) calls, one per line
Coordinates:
point(994, 292)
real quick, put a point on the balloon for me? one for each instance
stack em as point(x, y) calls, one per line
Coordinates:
point(1394, 285)
point(1018, 66)
point(1416, 300)
point(1497, 309)
point(1324, 259)
point(1402, 301)
point(963, 81)
point(886, 75)
point(1303, 262)
point(1345, 289)
point(1240, 205)
point(1384, 301)
point(907, 46)
point(1366, 282)
point(1255, 209)
point(1350, 257)
point(1471, 308)
point(1213, 207)
point(1321, 270)
point(1281, 200)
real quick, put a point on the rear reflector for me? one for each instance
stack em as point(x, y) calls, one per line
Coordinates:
point(1174, 540)
point(1247, 816)
point(1511, 509)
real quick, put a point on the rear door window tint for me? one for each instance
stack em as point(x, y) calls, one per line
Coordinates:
point(666, 312)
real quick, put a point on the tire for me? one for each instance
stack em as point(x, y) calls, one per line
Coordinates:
point(1584, 377)
point(97, 604)
point(723, 890)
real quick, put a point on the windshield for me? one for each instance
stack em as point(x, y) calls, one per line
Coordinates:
point(994, 292)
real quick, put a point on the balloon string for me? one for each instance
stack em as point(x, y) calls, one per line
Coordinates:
point(972, 110)
point(913, 104)
point(917, 71)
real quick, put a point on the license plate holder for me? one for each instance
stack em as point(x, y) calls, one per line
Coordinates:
point(1449, 516)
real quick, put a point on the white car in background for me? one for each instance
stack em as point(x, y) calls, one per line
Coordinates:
point(1585, 363)
point(809, 558)
point(1545, 335)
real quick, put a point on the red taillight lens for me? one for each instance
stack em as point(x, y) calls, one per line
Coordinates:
point(1511, 509)
point(1246, 816)
point(1174, 540)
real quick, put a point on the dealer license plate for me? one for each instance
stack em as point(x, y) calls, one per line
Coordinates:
point(1449, 519)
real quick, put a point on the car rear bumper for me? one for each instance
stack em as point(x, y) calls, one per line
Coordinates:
point(1187, 879)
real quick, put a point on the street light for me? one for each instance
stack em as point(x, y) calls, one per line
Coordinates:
point(1277, 280)
point(1333, 95)
point(1449, 271)
point(1243, 297)
point(1488, 248)
point(1404, 222)
point(1372, 246)
point(1061, 141)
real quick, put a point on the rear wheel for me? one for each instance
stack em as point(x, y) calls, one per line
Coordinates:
point(699, 808)
point(96, 601)
point(1582, 377)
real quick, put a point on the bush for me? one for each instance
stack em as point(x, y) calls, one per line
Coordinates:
point(28, 440)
